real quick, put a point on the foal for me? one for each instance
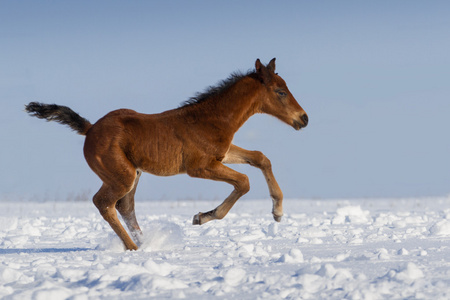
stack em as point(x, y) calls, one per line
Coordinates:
point(195, 139)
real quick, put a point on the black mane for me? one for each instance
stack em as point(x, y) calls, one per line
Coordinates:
point(217, 89)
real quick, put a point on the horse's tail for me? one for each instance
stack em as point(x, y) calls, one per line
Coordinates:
point(60, 114)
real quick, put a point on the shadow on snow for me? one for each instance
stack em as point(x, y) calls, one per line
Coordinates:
point(43, 250)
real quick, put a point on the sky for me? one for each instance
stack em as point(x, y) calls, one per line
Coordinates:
point(374, 78)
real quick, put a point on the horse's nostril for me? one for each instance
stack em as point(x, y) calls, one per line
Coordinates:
point(305, 119)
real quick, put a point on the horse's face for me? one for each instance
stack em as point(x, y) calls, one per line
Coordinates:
point(277, 100)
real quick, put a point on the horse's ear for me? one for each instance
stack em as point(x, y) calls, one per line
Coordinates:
point(271, 65)
point(262, 72)
point(258, 65)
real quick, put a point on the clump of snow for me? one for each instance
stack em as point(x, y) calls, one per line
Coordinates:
point(8, 275)
point(162, 269)
point(403, 251)
point(234, 276)
point(407, 274)
point(8, 223)
point(383, 254)
point(144, 282)
point(52, 293)
point(351, 214)
point(316, 278)
point(162, 236)
point(273, 229)
point(294, 256)
point(441, 228)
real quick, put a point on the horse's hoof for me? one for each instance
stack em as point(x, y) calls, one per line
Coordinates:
point(277, 218)
point(132, 248)
point(196, 220)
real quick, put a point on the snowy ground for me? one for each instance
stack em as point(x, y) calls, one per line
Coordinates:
point(327, 249)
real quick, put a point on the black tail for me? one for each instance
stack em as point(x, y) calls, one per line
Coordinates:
point(60, 114)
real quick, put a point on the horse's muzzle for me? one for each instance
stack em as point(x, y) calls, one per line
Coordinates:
point(303, 122)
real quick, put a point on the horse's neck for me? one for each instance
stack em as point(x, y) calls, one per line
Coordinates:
point(234, 106)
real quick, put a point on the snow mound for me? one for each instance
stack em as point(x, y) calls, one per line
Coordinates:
point(313, 280)
point(8, 223)
point(162, 269)
point(9, 275)
point(234, 276)
point(157, 236)
point(162, 236)
point(441, 228)
point(294, 256)
point(149, 283)
point(408, 274)
point(52, 293)
point(351, 214)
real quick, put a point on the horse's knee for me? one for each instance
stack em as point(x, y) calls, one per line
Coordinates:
point(265, 163)
point(261, 161)
point(106, 199)
point(243, 185)
point(99, 202)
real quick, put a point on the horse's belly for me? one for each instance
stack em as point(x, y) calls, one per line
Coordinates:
point(162, 170)
point(163, 163)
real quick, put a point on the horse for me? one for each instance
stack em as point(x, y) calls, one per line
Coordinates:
point(194, 139)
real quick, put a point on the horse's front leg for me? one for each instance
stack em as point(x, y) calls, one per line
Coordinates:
point(237, 155)
point(217, 171)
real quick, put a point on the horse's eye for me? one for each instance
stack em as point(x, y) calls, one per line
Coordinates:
point(281, 93)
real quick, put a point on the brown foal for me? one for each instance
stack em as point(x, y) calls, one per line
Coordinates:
point(195, 139)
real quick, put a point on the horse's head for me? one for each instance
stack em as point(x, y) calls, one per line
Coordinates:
point(277, 100)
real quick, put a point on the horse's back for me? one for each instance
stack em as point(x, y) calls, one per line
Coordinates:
point(118, 114)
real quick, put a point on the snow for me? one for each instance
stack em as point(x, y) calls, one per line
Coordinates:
point(322, 249)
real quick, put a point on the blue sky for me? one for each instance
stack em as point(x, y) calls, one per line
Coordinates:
point(372, 76)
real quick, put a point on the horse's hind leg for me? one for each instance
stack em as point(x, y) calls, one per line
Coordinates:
point(105, 200)
point(237, 155)
point(125, 206)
